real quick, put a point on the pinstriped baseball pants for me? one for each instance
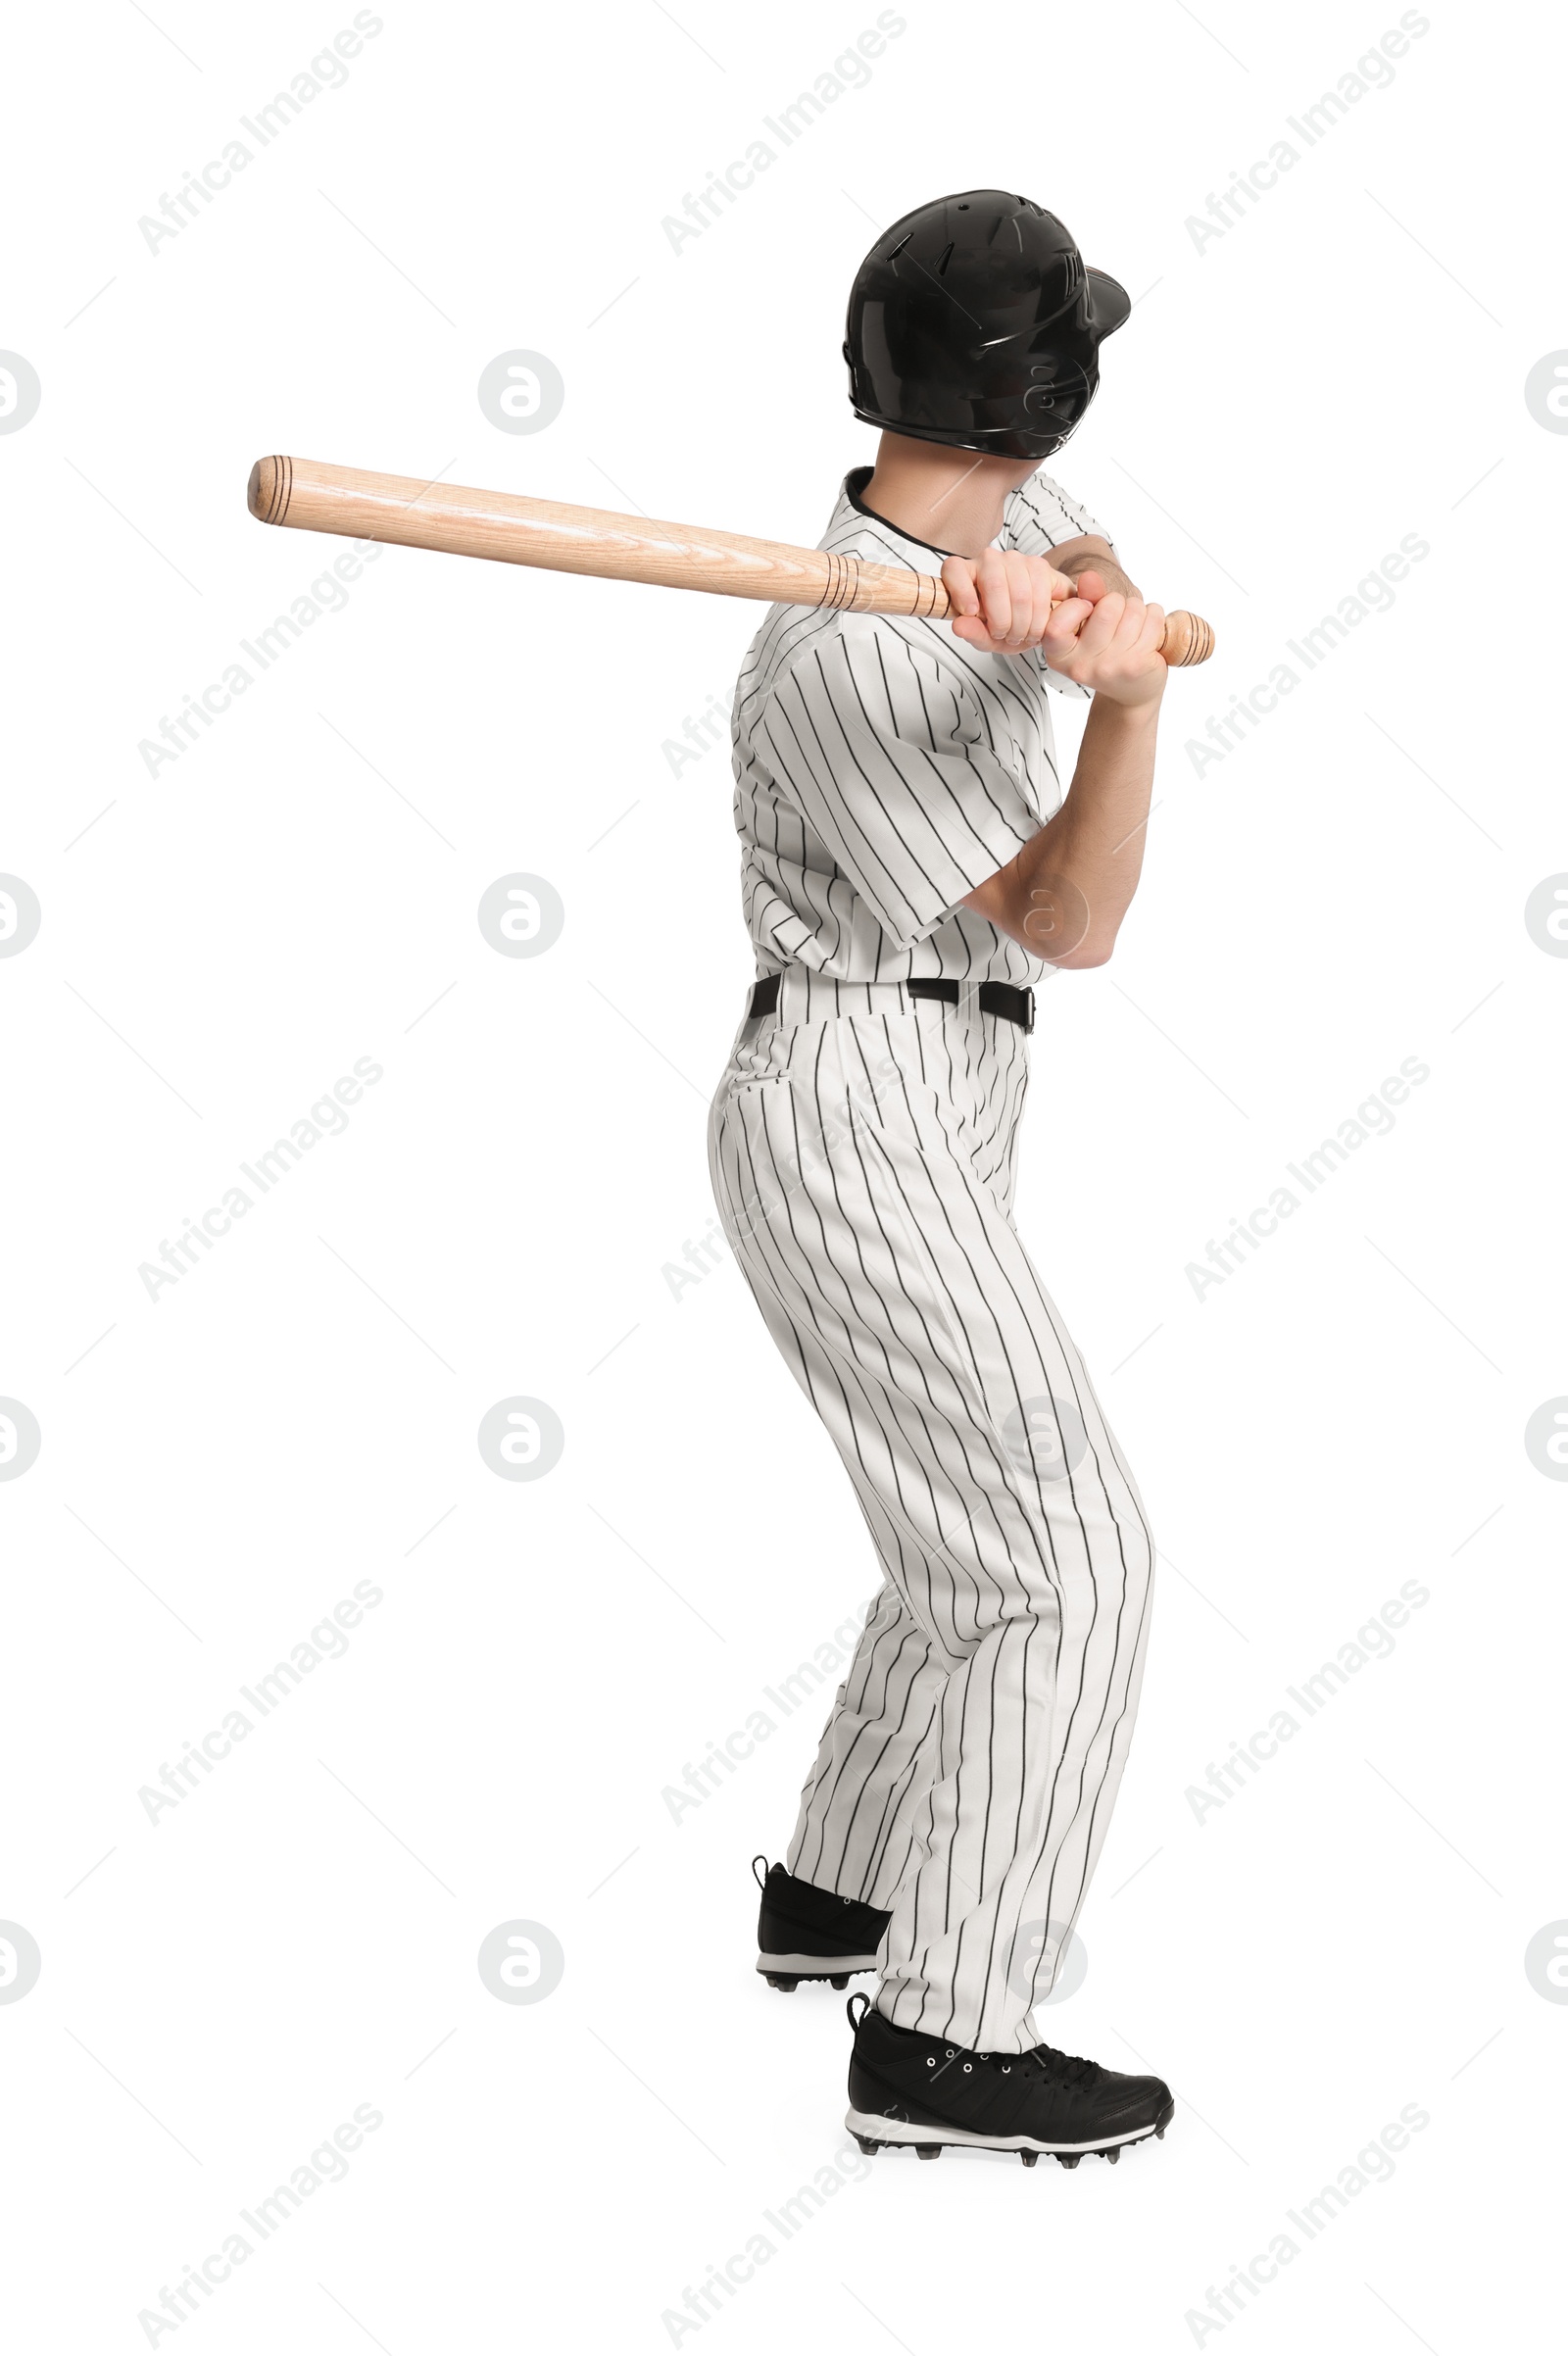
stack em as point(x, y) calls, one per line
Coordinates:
point(864, 1152)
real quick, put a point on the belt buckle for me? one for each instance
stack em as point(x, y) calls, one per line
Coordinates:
point(1028, 1012)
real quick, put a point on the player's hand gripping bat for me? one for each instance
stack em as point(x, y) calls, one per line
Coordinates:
point(311, 497)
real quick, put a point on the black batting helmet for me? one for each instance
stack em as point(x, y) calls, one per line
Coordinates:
point(975, 321)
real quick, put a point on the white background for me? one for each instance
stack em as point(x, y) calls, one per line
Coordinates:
point(1343, 1937)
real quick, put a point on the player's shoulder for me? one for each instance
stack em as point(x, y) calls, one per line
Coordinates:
point(1043, 509)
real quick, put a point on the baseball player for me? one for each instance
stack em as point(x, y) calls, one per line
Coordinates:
point(910, 865)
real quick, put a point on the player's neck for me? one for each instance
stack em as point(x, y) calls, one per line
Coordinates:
point(949, 498)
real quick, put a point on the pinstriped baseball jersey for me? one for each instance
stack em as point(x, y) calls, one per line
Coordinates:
point(884, 768)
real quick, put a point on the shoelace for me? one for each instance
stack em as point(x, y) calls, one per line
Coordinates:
point(1058, 2069)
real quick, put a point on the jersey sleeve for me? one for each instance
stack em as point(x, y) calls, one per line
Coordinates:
point(1038, 517)
point(884, 750)
point(1041, 515)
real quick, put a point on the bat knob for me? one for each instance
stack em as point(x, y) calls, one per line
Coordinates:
point(267, 494)
point(1187, 639)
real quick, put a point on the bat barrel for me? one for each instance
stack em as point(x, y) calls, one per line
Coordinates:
point(309, 496)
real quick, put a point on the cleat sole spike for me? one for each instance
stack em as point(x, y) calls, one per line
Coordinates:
point(840, 1979)
point(929, 2152)
point(1028, 2158)
point(783, 1980)
point(1069, 2159)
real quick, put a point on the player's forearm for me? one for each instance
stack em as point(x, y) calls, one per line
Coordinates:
point(1075, 880)
point(1089, 552)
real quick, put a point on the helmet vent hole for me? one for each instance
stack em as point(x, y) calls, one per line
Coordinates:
point(946, 257)
point(898, 248)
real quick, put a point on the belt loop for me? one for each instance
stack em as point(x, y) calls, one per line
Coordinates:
point(1029, 1010)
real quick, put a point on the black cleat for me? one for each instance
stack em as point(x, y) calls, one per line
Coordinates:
point(904, 2084)
point(804, 1933)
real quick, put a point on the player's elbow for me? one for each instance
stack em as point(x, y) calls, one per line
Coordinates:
point(1064, 945)
point(1059, 921)
point(1048, 914)
point(1093, 950)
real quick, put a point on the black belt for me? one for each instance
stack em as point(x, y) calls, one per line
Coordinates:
point(996, 998)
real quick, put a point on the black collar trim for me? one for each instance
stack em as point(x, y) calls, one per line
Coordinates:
point(854, 483)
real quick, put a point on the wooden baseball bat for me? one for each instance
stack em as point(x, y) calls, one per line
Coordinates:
point(309, 496)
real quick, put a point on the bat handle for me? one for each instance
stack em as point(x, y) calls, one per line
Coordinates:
point(1187, 639)
point(880, 589)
